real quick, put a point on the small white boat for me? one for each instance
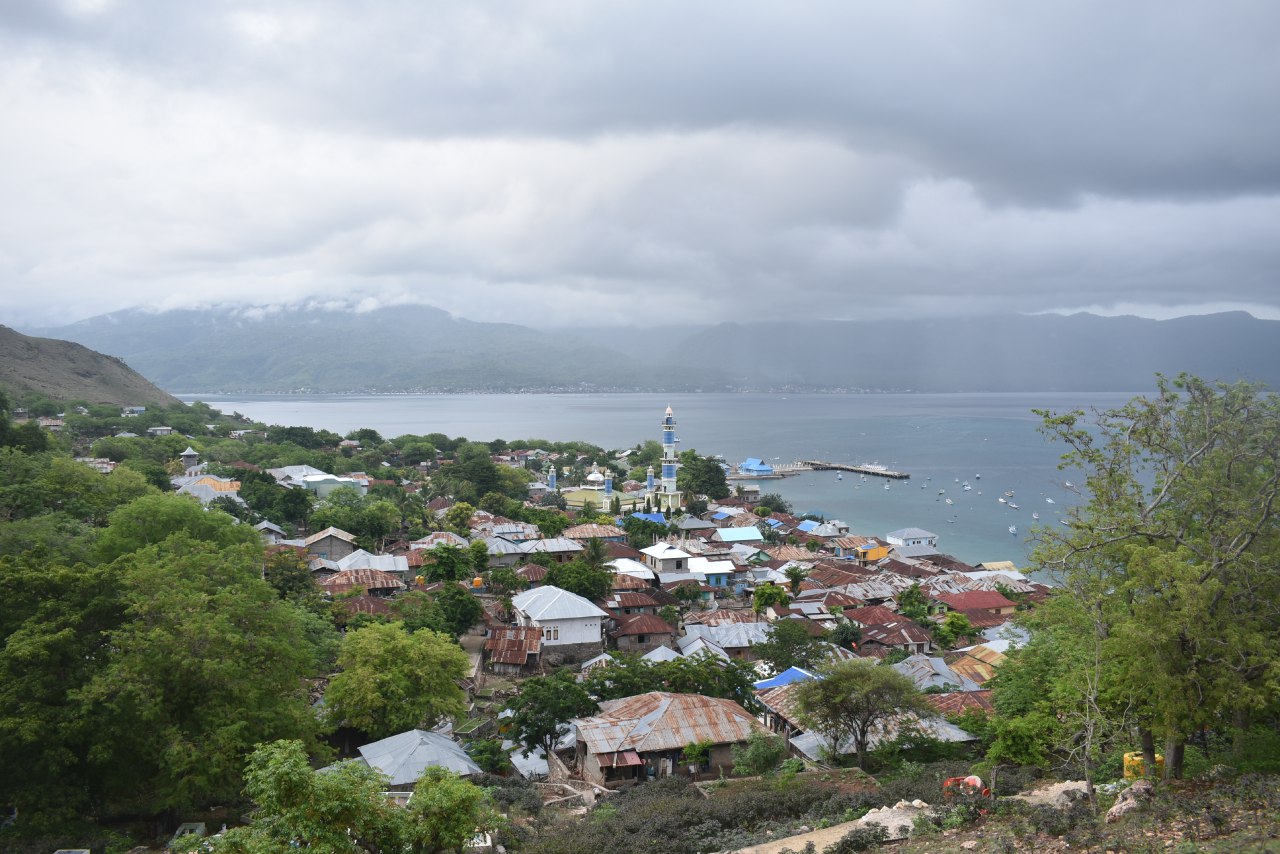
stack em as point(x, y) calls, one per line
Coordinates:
point(957, 480)
point(977, 477)
point(1035, 515)
point(1001, 500)
point(1013, 506)
point(949, 501)
point(839, 476)
point(1049, 501)
point(1013, 529)
point(942, 492)
point(886, 486)
point(1009, 494)
point(1069, 485)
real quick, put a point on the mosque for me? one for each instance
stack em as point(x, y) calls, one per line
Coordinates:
point(659, 494)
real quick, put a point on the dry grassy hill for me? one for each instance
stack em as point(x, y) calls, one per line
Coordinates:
point(64, 371)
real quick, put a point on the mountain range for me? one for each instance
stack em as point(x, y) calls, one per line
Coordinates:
point(423, 349)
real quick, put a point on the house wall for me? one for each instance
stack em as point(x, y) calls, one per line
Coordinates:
point(569, 632)
point(331, 548)
point(632, 643)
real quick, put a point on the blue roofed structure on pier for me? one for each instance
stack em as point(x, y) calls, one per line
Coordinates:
point(752, 465)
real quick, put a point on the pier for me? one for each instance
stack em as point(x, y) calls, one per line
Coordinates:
point(866, 468)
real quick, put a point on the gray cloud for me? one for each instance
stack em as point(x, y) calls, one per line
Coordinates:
point(551, 162)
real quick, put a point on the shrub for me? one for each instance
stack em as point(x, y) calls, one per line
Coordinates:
point(859, 839)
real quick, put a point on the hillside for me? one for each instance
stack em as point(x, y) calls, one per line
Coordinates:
point(417, 348)
point(63, 370)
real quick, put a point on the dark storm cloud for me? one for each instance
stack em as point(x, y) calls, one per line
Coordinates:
point(876, 158)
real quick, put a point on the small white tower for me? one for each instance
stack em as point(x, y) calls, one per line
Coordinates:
point(551, 479)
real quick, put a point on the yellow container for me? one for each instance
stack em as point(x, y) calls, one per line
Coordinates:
point(1135, 768)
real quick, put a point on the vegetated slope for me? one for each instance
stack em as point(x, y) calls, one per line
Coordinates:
point(417, 348)
point(405, 348)
point(64, 370)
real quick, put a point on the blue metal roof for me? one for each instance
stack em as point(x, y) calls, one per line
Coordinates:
point(807, 525)
point(786, 677)
point(773, 523)
point(651, 517)
point(720, 515)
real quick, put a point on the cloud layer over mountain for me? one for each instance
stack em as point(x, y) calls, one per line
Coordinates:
point(580, 162)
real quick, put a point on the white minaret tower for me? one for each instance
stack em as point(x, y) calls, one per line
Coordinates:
point(551, 479)
point(668, 495)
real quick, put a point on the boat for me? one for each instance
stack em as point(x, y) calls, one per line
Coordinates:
point(1049, 501)
point(942, 492)
point(1013, 529)
point(886, 486)
point(957, 480)
point(839, 476)
point(1069, 485)
point(1035, 515)
point(1009, 494)
point(977, 477)
point(949, 501)
point(1001, 500)
point(1013, 506)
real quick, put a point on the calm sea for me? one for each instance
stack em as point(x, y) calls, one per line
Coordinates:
point(990, 440)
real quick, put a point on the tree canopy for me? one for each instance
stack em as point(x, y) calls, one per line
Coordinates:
point(851, 698)
point(392, 679)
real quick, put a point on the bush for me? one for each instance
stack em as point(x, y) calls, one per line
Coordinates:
point(859, 839)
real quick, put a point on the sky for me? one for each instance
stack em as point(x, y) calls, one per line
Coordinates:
point(600, 162)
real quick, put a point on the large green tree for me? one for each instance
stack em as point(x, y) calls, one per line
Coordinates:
point(543, 708)
point(850, 699)
point(1176, 552)
point(393, 680)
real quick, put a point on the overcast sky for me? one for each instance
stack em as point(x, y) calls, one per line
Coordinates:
point(573, 162)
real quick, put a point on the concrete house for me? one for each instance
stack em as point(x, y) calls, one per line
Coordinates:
point(330, 544)
point(642, 633)
point(664, 557)
point(571, 626)
point(911, 537)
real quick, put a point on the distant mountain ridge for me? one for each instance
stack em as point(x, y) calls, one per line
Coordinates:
point(64, 370)
point(423, 349)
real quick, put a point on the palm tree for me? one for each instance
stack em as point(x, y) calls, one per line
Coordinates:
point(594, 554)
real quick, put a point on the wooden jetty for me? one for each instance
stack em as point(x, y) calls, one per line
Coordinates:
point(866, 468)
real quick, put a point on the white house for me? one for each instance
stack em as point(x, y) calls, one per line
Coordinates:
point(664, 557)
point(912, 537)
point(571, 626)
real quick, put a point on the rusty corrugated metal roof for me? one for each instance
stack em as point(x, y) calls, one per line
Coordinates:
point(663, 721)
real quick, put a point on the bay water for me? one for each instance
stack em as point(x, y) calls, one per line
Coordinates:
point(941, 440)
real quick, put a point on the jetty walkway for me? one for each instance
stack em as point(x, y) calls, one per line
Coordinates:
point(866, 468)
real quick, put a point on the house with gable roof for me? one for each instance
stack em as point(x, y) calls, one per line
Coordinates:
point(572, 627)
point(330, 544)
point(634, 738)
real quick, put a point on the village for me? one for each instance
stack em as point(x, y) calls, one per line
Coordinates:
point(718, 587)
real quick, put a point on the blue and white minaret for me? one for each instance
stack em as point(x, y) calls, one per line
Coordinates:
point(551, 479)
point(668, 496)
point(608, 488)
point(648, 483)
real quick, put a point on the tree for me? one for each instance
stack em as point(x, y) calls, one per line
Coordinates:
point(479, 553)
point(790, 645)
point(458, 518)
point(151, 519)
point(208, 662)
point(1174, 555)
point(760, 755)
point(642, 533)
point(774, 502)
point(768, 594)
point(578, 577)
point(845, 633)
point(343, 809)
point(393, 680)
point(851, 698)
point(953, 627)
point(701, 476)
point(503, 581)
point(449, 563)
point(446, 811)
point(912, 604)
point(544, 707)
point(795, 577)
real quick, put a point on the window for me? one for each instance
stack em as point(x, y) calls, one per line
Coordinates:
point(642, 639)
point(555, 633)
